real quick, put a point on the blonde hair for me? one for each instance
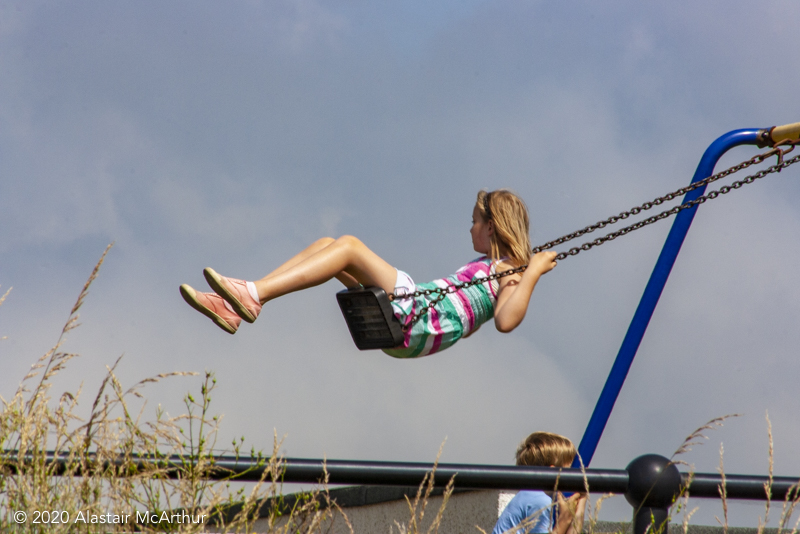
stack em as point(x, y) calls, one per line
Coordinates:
point(511, 225)
point(545, 449)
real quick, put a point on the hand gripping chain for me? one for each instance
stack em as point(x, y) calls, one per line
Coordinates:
point(441, 292)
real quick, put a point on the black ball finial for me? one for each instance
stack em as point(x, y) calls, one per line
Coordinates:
point(653, 482)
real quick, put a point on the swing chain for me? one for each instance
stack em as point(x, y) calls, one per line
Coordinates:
point(782, 164)
point(759, 158)
point(441, 292)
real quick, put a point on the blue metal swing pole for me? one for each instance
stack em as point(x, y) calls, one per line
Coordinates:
point(655, 286)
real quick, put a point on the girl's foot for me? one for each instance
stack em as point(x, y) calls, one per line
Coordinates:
point(212, 306)
point(235, 292)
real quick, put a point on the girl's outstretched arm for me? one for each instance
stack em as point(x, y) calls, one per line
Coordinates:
point(515, 291)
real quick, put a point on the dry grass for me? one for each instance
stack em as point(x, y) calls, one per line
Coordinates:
point(417, 508)
point(681, 505)
point(98, 473)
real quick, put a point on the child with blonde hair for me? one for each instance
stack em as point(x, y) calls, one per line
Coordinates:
point(500, 232)
point(531, 511)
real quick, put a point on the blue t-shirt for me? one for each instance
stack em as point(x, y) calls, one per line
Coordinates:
point(526, 504)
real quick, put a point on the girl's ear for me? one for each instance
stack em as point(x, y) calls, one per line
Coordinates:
point(490, 227)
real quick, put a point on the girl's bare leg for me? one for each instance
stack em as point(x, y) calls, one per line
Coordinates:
point(344, 256)
point(313, 248)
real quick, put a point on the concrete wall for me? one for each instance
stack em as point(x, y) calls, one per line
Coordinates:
point(466, 512)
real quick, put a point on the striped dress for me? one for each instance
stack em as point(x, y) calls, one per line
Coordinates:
point(458, 314)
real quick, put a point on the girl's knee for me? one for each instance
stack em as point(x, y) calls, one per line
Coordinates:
point(350, 241)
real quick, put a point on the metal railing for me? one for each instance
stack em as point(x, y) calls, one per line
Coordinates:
point(650, 483)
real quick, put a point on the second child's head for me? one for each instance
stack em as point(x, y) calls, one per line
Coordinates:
point(509, 216)
point(546, 449)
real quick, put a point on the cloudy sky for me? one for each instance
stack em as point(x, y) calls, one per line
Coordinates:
point(231, 135)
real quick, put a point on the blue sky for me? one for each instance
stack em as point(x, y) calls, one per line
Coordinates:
point(196, 134)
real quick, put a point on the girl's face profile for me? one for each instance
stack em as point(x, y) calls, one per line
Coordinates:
point(481, 231)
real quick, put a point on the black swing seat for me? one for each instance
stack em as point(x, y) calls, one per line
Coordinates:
point(370, 319)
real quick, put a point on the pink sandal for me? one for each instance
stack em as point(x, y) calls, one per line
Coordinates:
point(212, 306)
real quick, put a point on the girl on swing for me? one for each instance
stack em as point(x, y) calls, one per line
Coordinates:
point(499, 232)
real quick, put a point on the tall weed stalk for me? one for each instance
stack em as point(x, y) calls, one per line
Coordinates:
point(89, 474)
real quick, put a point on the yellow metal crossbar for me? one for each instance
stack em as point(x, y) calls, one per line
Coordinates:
point(787, 131)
